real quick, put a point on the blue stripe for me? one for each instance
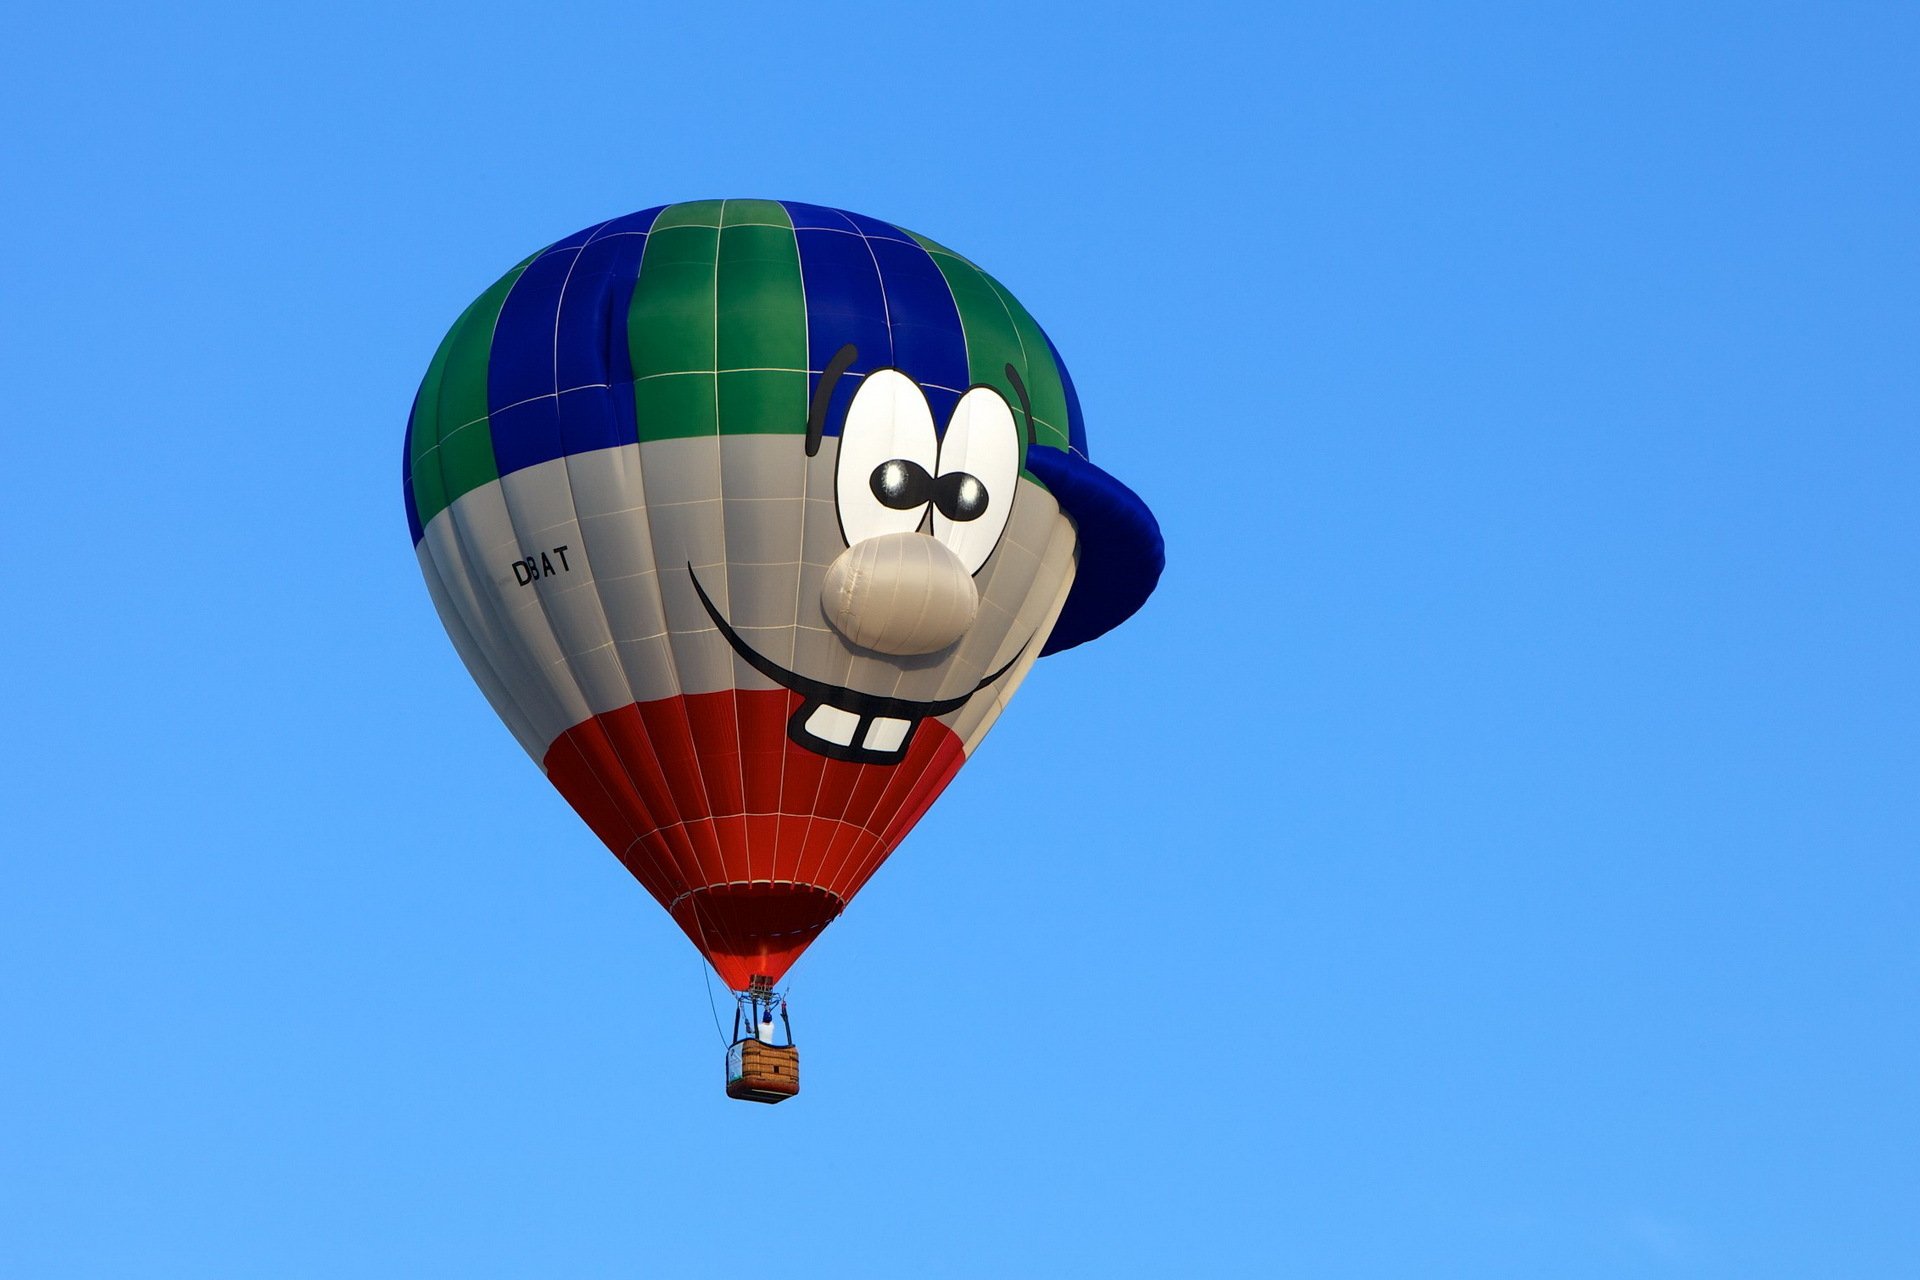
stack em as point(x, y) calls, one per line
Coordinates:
point(929, 345)
point(845, 302)
point(593, 367)
point(406, 475)
point(559, 379)
point(879, 290)
point(575, 240)
point(522, 407)
point(875, 229)
point(806, 216)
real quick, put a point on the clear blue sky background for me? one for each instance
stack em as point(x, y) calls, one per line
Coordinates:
point(1492, 853)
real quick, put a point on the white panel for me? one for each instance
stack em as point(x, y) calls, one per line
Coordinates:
point(609, 493)
point(478, 663)
point(561, 590)
point(688, 526)
point(566, 642)
point(972, 721)
point(1011, 578)
point(458, 549)
point(611, 484)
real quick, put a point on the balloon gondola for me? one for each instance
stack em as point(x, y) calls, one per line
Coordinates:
point(748, 517)
point(759, 1067)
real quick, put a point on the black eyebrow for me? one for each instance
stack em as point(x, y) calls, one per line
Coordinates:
point(1026, 406)
point(823, 395)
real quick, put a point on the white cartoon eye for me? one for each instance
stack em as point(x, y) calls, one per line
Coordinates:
point(884, 479)
point(979, 469)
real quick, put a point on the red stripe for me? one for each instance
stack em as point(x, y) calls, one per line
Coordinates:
point(753, 843)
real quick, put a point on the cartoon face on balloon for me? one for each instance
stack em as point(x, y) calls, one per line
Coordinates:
point(922, 513)
point(749, 518)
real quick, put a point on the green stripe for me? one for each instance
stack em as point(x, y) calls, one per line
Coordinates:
point(670, 324)
point(690, 213)
point(452, 446)
point(999, 333)
point(763, 322)
point(746, 212)
point(718, 325)
point(1045, 387)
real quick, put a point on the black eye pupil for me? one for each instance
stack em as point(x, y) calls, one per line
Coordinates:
point(960, 496)
point(901, 484)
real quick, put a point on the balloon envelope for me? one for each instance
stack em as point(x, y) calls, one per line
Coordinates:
point(748, 517)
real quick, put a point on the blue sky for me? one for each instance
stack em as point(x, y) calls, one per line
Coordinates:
point(1492, 852)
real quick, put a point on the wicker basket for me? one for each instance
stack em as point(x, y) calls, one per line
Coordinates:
point(761, 1072)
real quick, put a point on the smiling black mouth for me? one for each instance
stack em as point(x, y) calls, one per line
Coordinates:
point(841, 723)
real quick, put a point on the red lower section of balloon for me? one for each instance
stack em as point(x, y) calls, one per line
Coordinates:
point(753, 843)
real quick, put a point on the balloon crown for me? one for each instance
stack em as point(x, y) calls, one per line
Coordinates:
point(758, 317)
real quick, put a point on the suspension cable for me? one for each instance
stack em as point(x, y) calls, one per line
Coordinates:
point(706, 971)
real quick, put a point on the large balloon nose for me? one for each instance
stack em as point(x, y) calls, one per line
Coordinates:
point(900, 593)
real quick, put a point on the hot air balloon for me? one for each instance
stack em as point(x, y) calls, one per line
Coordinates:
point(748, 517)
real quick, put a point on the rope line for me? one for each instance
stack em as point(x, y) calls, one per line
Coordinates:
point(706, 971)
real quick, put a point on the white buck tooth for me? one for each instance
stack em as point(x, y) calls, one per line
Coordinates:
point(886, 733)
point(831, 724)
